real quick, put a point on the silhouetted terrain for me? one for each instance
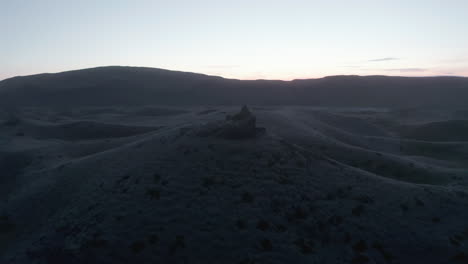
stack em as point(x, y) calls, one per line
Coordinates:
point(94, 169)
point(136, 86)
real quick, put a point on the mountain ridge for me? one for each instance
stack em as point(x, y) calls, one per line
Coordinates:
point(122, 85)
point(227, 78)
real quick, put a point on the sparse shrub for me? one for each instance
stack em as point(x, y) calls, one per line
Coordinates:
point(300, 163)
point(241, 224)
point(275, 205)
point(360, 259)
point(461, 257)
point(335, 220)
point(153, 193)
point(358, 210)
point(418, 202)
point(153, 239)
point(247, 197)
point(404, 207)
point(298, 214)
point(247, 260)
point(284, 180)
point(276, 156)
point(6, 225)
point(95, 243)
point(340, 193)
point(456, 240)
point(364, 199)
point(123, 179)
point(386, 255)
point(347, 238)
point(306, 247)
point(360, 246)
point(156, 178)
point(330, 196)
point(271, 163)
point(281, 228)
point(178, 243)
point(263, 225)
point(381, 167)
point(208, 181)
point(137, 246)
point(266, 245)
point(325, 239)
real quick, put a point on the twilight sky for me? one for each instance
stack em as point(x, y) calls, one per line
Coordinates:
point(245, 39)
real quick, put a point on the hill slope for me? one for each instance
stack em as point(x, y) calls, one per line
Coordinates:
point(311, 188)
point(134, 85)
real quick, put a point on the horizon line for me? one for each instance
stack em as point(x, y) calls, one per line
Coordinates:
point(228, 78)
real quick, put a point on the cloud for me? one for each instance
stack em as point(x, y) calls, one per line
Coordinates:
point(384, 59)
point(408, 69)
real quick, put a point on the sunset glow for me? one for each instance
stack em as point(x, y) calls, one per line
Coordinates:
point(245, 40)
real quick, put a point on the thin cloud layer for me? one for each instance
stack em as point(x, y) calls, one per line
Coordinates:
point(384, 59)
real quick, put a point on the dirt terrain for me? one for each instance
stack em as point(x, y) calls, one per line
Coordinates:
point(203, 185)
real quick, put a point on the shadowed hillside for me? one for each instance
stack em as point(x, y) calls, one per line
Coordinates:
point(287, 184)
point(132, 85)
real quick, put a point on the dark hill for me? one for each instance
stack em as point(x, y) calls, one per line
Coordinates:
point(451, 130)
point(134, 85)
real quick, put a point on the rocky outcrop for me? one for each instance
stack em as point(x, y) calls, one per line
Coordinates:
point(239, 126)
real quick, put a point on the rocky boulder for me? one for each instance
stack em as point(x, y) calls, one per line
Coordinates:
point(239, 126)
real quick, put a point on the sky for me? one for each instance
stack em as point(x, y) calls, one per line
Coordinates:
point(243, 39)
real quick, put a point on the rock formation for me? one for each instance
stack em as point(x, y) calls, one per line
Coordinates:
point(239, 126)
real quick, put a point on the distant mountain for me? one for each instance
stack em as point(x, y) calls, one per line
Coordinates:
point(136, 86)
